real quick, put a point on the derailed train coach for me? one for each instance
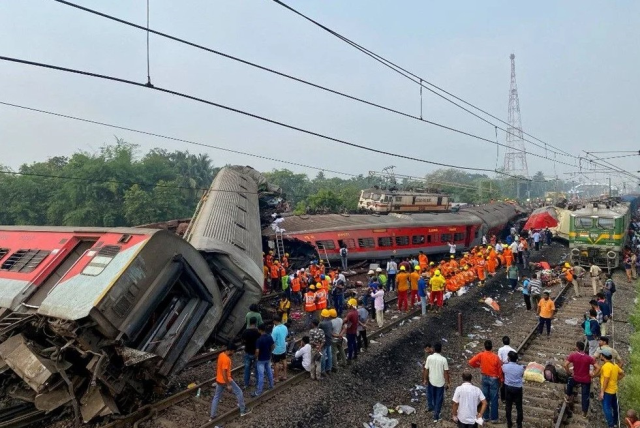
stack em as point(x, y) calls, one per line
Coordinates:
point(97, 318)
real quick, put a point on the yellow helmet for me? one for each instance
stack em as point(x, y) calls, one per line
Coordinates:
point(275, 262)
point(325, 313)
point(318, 286)
point(333, 313)
point(402, 268)
point(567, 265)
point(312, 287)
point(352, 302)
point(416, 268)
point(286, 254)
point(451, 256)
point(489, 246)
point(431, 264)
point(437, 272)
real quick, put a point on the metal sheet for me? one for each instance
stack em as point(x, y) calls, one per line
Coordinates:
point(36, 371)
point(96, 403)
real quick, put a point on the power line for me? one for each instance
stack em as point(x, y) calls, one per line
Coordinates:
point(242, 112)
point(180, 140)
point(285, 75)
point(419, 80)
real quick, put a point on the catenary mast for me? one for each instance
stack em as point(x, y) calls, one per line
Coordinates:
point(515, 157)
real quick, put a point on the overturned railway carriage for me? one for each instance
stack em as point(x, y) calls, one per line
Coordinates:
point(97, 318)
point(226, 230)
point(370, 237)
point(598, 233)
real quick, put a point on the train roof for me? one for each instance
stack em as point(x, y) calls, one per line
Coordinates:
point(615, 211)
point(330, 222)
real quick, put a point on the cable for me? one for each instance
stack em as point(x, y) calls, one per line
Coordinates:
point(195, 143)
point(148, 64)
point(420, 80)
point(242, 112)
point(288, 76)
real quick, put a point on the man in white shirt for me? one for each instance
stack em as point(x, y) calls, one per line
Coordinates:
point(465, 403)
point(594, 273)
point(392, 270)
point(303, 356)
point(452, 248)
point(484, 240)
point(536, 240)
point(499, 248)
point(503, 354)
point(378, 303)
point(436, 375)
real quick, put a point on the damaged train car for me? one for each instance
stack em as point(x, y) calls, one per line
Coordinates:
point(226, 229)
point(98, 318)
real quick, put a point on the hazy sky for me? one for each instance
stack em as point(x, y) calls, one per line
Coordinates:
point(576, 61)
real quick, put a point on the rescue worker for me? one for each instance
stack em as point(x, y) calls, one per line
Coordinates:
point(492, 261)
point(284, 306)
point(295, 289)
point(437, 283)
point(275, 276)
point(321, 299)
point(414, 277)
point(402, 285)
point(267, 278)
point(310, 305)
point(285, 283)
point(381, 278)
point(508, 256)
point(480, 270)
point(423, 260)
point(268, 260)
point(569, 278)
point(285, 261)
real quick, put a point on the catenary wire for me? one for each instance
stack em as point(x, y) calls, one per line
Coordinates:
point(420, 80)
point(244, 113)
point(180, 140)
point(285, 75)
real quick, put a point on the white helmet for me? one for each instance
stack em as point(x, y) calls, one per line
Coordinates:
point(378, 270)
point(370, 272)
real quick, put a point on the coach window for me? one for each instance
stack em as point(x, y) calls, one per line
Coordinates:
point(366, 243)
point(402, 240)
point(24, 261)
point(457, 237)
point(417, 239)
point(398, 198)
point(445, 237)
point(326, 244)
point(385, 241)
point(349, 243)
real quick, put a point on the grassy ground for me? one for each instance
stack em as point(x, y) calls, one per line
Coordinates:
point(630, 386)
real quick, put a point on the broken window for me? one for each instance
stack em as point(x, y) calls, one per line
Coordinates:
point(101, 260)
point(24, 261)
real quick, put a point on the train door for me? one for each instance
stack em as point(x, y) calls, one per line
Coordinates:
point(439, 200)
point(468, 236)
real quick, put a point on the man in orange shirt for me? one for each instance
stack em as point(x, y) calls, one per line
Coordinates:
point(414, 277)
point(402, 285)
point(492, 376)
point(546, 309)
point(423, 261)
point(225, 381)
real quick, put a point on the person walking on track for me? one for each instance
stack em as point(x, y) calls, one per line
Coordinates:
point(467, 398)
point(610, 374)
point(579, 375)
point(225, 381)
point(436, 377)
point(546, 309)
point(513, 375)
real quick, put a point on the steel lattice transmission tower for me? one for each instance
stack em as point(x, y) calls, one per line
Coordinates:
point(515, 157)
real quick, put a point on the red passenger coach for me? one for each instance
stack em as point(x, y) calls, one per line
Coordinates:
point(371, 237)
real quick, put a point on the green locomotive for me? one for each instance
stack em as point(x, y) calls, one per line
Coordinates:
point(598, 233)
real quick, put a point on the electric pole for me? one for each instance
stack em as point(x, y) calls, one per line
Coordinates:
point(515, 157)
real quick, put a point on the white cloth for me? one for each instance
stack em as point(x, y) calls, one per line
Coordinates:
point(514, 247)
point(468, 397)
point(305, 353)
point(595, 271)
point(436, 364)
point(378, 302)
point(452, 248)
point(499, 247)
point(503, 353)
point(392, 267)
point(484, 240)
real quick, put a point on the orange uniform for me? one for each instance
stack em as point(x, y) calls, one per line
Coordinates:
point(321, 299)
point(423, 261)
point(309, 301)
point(480, 265)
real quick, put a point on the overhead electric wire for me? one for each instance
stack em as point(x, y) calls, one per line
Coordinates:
point(285, 75)
point(244, 113)
point(180, 140)
point(421, 81)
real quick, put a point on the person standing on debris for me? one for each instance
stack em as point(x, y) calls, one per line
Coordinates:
point(513, 274)
point(316, 337)
point(392, 270)
point(579, 377)
point(592, 331)
point(466, 400)
point(536, 240)
point(492, 376)
point(402, 284)
point(275, 276)
point(327, 327)
point(249, 338)
point(452, 248)
point(423, 292)
point(350, 327)
point(284, 306)
point(279, 335)
point(546, 309)
point(378, 304)
point(381, 278)
point(343, 257)
point(423, 261)
point(610, 374)
point(594, 273)
point(437, 283)
point(339, 285)
point(513, 375)
point(414, 277)
point(310, 305)
point(337, 343)
point(436, 377)
point(363, 318)
point(225, 381)
point(254, 312)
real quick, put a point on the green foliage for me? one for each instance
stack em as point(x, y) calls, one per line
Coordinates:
point(114, 188)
